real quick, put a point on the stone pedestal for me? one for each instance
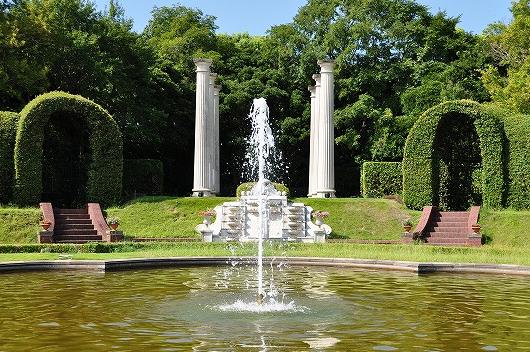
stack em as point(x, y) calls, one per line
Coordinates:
point(45, 237)
point(325, 165)
point(201, 174)
point(113, 236)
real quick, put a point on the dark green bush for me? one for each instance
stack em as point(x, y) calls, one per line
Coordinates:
point(420, 165)
point(379, 179)
point(8, 132)
point(142, 177)
point(104, 175)
point(94, 247)
point(247, 186)
point(517, 156)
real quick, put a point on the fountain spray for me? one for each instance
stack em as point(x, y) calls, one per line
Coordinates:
point(262, 142)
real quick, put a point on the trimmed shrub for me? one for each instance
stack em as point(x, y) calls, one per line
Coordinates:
point(8, 131)
point(104, 174)
point(142, 177)
point(379, 179)
point(517, 156)
point(420, 168)
point(247, 186)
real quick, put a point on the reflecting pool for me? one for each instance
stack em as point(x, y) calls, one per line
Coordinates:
point(207, 309)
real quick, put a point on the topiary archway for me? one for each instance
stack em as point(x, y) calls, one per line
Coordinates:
point(105, 164)
point(420, 174)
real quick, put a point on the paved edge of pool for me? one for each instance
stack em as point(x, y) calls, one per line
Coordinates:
point(137, 263)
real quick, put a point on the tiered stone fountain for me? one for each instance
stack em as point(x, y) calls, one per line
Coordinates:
point(240, 221)
point(263, 213)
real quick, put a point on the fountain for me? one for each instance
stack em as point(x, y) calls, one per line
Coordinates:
point(263, 213)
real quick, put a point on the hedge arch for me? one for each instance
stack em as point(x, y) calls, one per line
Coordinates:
point(104, 172)
point(8, 131)
point(418, 161)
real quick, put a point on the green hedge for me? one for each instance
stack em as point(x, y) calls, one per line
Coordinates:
point(104, 182)
point(8, 131)
point(142, 177)
point(517, 156)
point(94, 247)
point(418, 177)
point(379, 179)
point(247, 186)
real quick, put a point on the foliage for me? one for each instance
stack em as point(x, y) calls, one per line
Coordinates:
point(105, 169)
point(381, 178)
point(8, 130)
point(517, 155)
point(507, 79)
point(422, 166)
point(142, 177)
point(247, 187)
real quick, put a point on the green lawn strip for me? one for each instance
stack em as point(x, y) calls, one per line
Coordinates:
point(421, 253)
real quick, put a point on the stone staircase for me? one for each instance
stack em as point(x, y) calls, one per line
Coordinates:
point(446, 228)
point(74, 226)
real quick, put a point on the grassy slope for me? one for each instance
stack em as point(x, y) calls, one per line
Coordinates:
point(163, 216)
point(19, 225)
point(361, 218)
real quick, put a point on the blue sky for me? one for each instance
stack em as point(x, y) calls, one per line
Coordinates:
point(256, 17)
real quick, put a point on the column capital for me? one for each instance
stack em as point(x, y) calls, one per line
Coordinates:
point(212, 77)
point(326, 66)
point(312, 90)
point(316, 77)
point(203, 65)
point(216, 89)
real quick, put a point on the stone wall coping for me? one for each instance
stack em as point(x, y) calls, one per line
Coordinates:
point(134, 263)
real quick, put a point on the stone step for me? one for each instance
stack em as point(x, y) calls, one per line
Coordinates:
point(448, 229)
point(447, 235)
point(76, 237)
point(449, 224)
point(76, 232)
point(69, 226)
point(77, 241)
point(450, 218)
point(59, 211)
point(73, 222)
point(60, 217)
point(447, 240)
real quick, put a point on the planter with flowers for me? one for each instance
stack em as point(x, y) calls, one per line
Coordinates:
point(320, 217)
point(113, 223)
point(207, 216)
point(407, 225)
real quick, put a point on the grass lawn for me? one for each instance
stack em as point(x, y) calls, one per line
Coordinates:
point(422, 253)
point(507, 232)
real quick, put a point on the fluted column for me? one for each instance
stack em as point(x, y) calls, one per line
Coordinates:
point(217, 164)
point(315, 132)
point(202, 102)
point(211, 133)
point(326, 137)
point(311, 187)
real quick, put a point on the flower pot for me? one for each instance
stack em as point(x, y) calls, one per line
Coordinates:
point(475, 228)
point(407, 228)
point(113, 226)
point(45, 225)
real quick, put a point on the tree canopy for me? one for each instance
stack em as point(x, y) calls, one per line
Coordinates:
point(395, 60)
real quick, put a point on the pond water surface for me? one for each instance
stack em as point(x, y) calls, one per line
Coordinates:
point(331, 309)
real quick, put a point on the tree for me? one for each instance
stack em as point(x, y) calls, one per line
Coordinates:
point(507, 79)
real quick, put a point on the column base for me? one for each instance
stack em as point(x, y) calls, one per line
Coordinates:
point(202, 192)
point(324, 193)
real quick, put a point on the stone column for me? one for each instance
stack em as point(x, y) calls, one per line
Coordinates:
point(311, 187)
point(217, 163)
point(326, 137)
point(211, 133)
point(316, 133)
point(202, 102)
